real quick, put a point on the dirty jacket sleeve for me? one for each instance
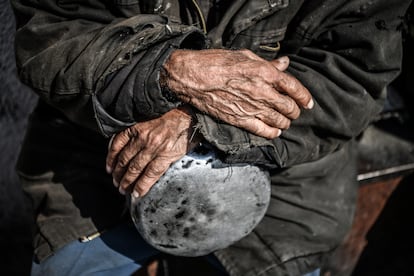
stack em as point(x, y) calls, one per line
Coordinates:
point(96, 64)
point(345, 53)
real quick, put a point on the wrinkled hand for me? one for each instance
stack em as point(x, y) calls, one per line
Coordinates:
point(238, 87)
point(141, 154)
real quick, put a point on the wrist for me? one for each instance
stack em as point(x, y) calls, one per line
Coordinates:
point(166, 92)
point(188, 112)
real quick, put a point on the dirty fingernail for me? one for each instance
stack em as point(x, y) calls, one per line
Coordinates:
point(116, 184)
point(121, 190)
point(284, 59)
point(108, 169)
point(135, 194)
point(310, 104)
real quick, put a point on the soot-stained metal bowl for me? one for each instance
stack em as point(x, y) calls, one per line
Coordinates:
point(201, 204)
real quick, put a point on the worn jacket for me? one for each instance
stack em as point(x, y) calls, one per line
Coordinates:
point(98, 62)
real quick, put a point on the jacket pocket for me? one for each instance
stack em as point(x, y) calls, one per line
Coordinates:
point(262, 30)
point(264, 43)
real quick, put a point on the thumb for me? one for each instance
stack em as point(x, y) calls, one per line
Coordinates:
point(281, 63)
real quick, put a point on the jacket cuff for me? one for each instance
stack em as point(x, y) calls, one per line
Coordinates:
point(240, 146)
point(150, 98)
point(134, 93)
point(108, 125)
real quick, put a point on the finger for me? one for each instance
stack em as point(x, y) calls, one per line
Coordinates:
point(286, 106)
point(281, 63)
point(258, 127)
point(290, 86)
point(117, 174)
point(136, 167)
point(123, 159)
point(152, 174)
point(273, 118)
point(268, 101)
point(116, 144)
point(281, 104)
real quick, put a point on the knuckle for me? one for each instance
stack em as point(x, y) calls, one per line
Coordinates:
point(295, 114)
point(158, 168)
point(301, 96)
point(114, 149)
point(126, 180)
point(258, 129)
point(291, 109)
point(109, 160)
point(291, 85)
point(246, 123)
point(306, 96)
point(143, 186)
point(118, 141)
point(123, 161)
point(153, 172)
point(131, 131)
point(117, 173)
point(126, 183)
point(285, 123)
point(156, 140)
point(134, 168)
point(281, 122)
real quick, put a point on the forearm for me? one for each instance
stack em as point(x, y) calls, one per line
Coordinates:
point(87, 62)
point(346, 66)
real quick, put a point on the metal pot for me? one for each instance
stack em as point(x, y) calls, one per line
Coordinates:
point(201, 204)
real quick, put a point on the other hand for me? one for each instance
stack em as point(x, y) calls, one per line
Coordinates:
point(238, 87)
point(141, 154)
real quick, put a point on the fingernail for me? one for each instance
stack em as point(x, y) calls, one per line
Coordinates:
point(279, 133)
point(310, 104)
point(135, 194)
point(108, 169)
point(284, 59)
point(116, 184)
point(121, 190)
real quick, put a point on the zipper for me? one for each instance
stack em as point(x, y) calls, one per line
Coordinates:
point(200, 15)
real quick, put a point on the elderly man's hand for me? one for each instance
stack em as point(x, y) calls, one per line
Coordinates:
point(238, 87)
point(141, 154)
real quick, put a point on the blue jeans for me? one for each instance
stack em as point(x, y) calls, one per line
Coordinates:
point(107, 255)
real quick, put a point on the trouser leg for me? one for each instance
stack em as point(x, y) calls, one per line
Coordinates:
point(310, 212)
point(119, 251)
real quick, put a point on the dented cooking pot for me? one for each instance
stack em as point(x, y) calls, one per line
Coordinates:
point(201, 204)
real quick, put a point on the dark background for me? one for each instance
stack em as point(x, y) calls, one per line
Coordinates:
point(16, 103)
